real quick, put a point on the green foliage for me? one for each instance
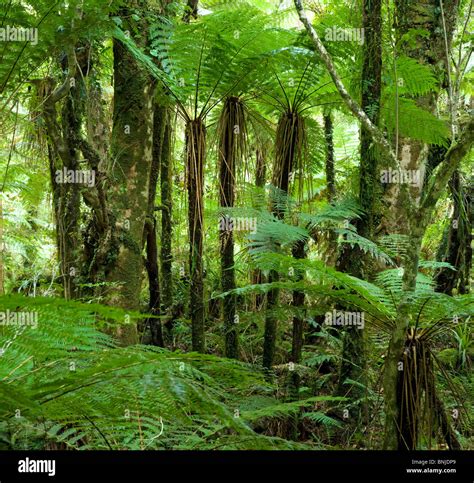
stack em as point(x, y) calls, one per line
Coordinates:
point(415, 122)
point(64, 383)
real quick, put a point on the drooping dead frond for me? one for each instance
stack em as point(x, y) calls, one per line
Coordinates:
point(289, 153)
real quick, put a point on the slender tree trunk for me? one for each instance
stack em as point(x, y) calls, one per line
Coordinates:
point(260, 178)
point(330, 182)
point(70, 200)
point(159, 125)
point(289, 140)
point(457, 250)
point(330, 163)
point(298, 252)
point(166, 255)
point(154, 303)
point(269, 337)
point(191, 10)
point(195, 157)
point(232, 128)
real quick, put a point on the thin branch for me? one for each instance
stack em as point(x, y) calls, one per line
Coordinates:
point(451, 161)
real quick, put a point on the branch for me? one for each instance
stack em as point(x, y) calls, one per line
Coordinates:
point(62, 90)
point(375, 133)
point(451, 161)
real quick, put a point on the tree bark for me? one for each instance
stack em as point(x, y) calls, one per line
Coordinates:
point(330, 164)
point(195, 157)
point(231, 129)
point(191, 10)
point(457, 251)
point(131, 147)
point(166, 255)
point(260, 178)
point(298, 252)
point(397, 341)
point(63, 154)
point(154, 305)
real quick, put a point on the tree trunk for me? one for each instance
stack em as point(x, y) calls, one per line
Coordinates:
point(430, 49)
point(191, 10)
point(330, 173)
point(298, 252)
point(397, 341)
point(457, 250)
point(260, 178)
point(231, 132)
point(131, 147)
point(154, 305)
point(63, 154)
point(330, 183)
point(288, 145)
point(166, 255)
point(353, 260)
point(195, 157)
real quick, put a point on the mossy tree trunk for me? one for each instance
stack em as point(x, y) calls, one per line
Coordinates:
point(63, 154)
point(408, 210)
point(438, 21)
point(330, 171)
point(131, 148)
point(297, 341)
